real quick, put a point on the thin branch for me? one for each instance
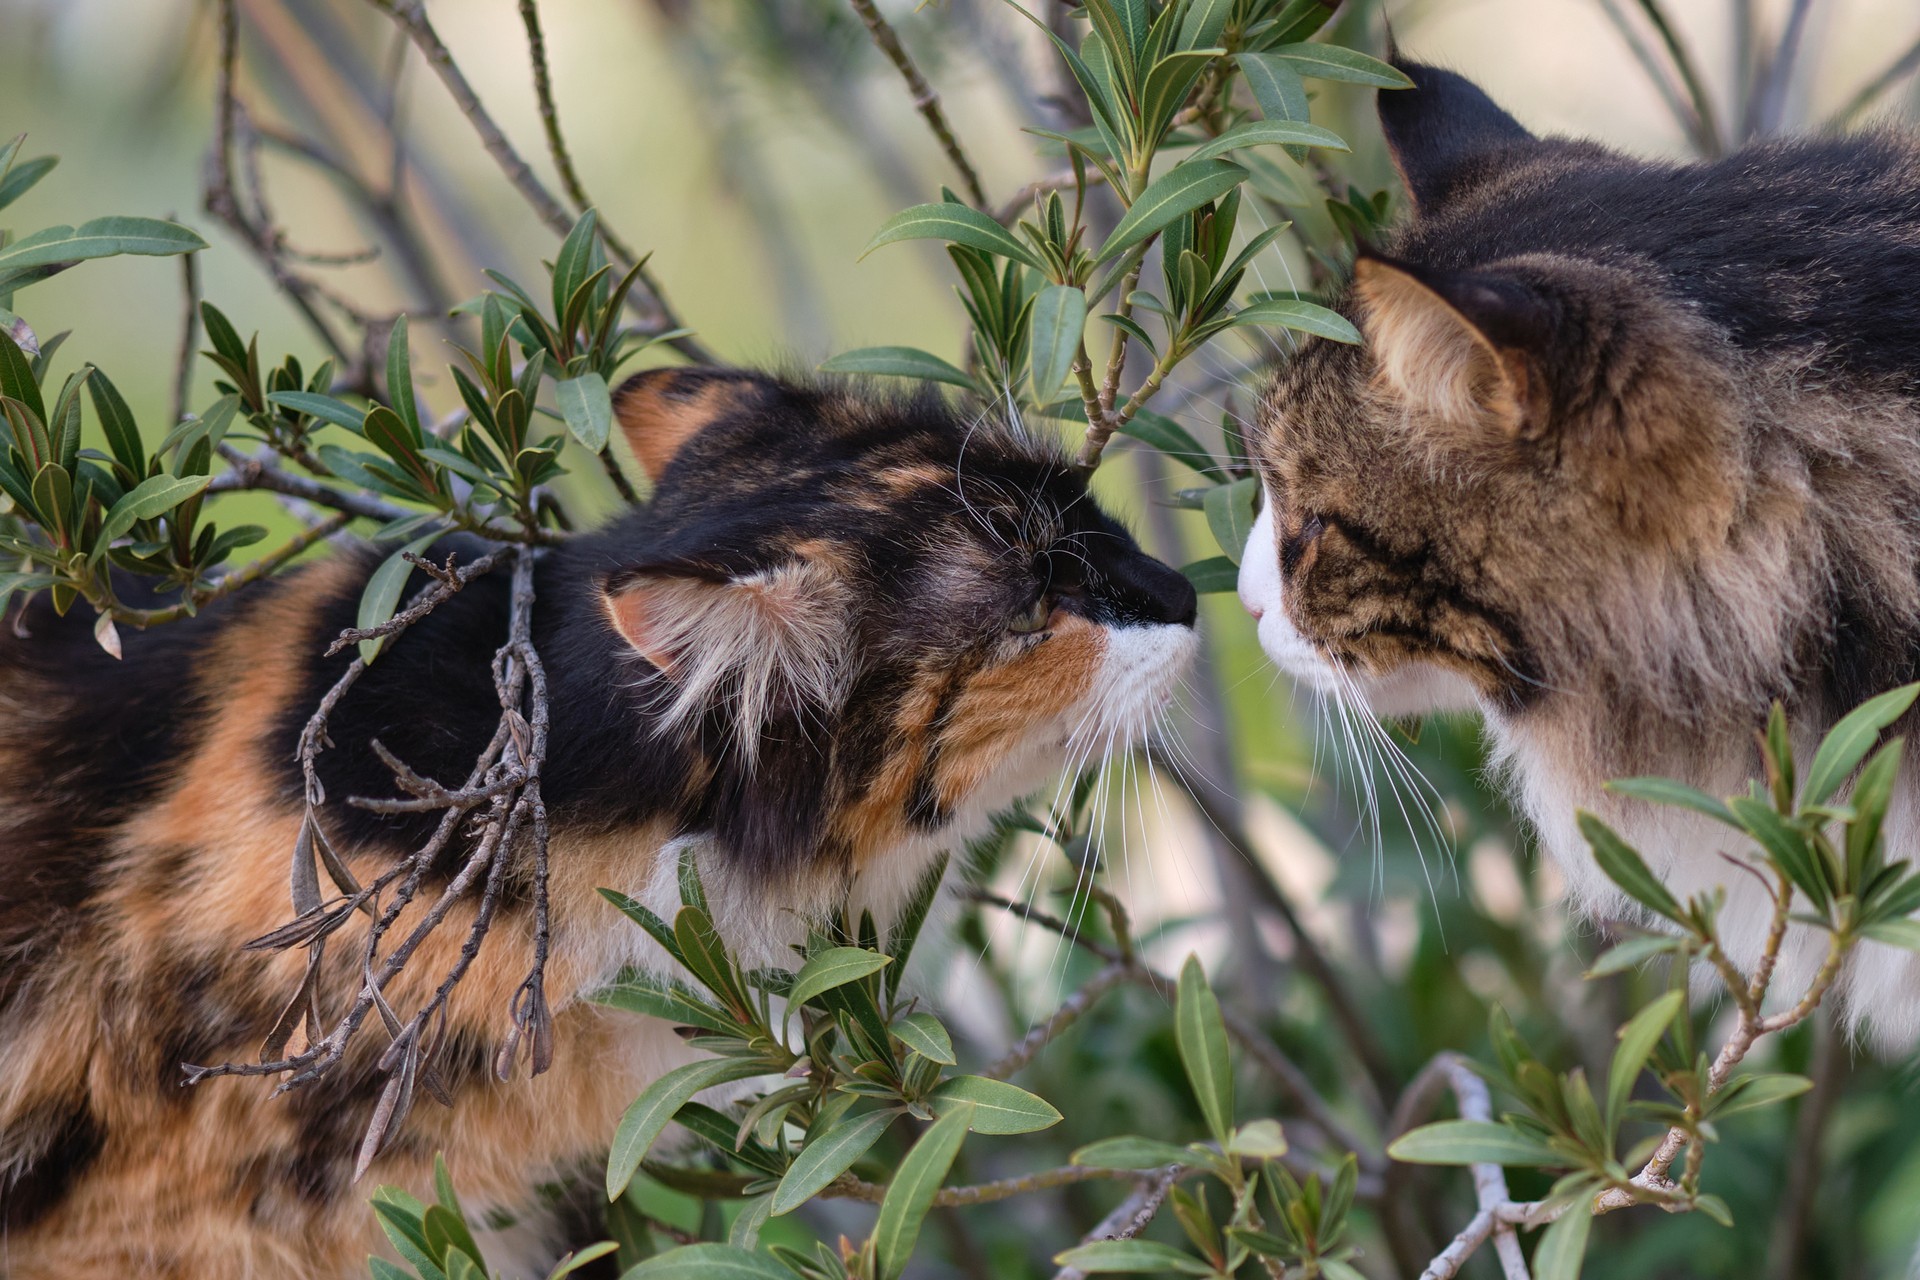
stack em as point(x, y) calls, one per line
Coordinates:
point(411, 16)
point(1897, 70)
point(232, 582)
point(1130, 1217)
point(848, 1187)
point(1769, 105)
point(925, 100)
point(1070, 1011)
point(1697, 91)
point(189, 336)
point(1670, 93)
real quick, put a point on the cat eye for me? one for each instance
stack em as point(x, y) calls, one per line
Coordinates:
point(1033, 618)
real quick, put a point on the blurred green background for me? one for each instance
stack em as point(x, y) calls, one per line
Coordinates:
point(753, 147)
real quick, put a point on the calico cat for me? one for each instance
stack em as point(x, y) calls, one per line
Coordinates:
point(840, 636)
point(1631, 451)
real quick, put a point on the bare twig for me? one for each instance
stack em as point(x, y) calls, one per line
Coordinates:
point(1897, 70)
point(1131, 1216)
point(925, 100)
point(1670, 93)
point(411, 16)
point(1069, 1012)
point(189, 335)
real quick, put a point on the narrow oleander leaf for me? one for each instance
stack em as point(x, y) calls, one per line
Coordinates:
point(587, 406)
point(923, 1033)
point(20, 178)
point(150, 498)
point(1131, 1257)
point(1174, 194)
point(100, 238)
point(1332, 62)
point(1894, 933)
point(1059, 321)
point(1212, 576)
point(1201, 1035)
point(663, 998)
point(1633, 953)
point(1172, 439)
point(1269, 133)
point(1276, 87)
point(832, 968)
point(910, 1195)
point(1787, 847)
point(574, 263)
point(827, 1157)
point(1563, 1245)
point(650, 1113)
point(1306, 317)
point(955, 223)
point(1626, 868)
point(380, 598)
point(1674, 794)
point(996, 1106)
point(1637, 1040)
point(572, 1262)
point(897, 362)
point(1230, 514)
point(326, 408)
point(1129, 1152)
point(1751, 1092)
point(710, 1262)
point(1473, 1142)
point(1849, 741)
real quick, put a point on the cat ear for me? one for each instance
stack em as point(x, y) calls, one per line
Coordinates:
point(661, 409)
point(1460, 345)
point(1444, 133)
point(758, 643)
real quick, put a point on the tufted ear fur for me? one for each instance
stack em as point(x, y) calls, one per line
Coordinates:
point(661, 409)
point(754, 646)
point(1445, 134)
point(1461, 345)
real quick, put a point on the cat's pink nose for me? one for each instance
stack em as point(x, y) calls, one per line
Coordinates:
point(1257, 612)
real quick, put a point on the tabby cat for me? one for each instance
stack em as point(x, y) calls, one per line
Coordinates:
point(1631, 451)
point(840, 636)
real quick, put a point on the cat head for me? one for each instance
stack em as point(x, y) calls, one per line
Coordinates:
point(1535, 419)
point(875, 623)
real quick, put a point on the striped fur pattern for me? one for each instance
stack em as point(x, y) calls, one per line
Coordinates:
point(841, 635)
point(1633, 450)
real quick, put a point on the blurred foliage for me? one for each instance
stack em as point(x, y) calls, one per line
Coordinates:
point(1185, 164)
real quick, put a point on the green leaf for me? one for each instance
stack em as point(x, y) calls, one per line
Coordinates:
point(1307, 317)
point(635, 911)
point(326, 408)
point(1625, 867)
point(1129, 1152)
point(587, 406)
point(913, 917)
point(1202, 1037)
point(897, 362)
point(831, 968)
point(1751, 1092)
point(642, 992)
point(574, 263)
point(1563, 1245)
point(827, 1157)
point(1276, 87)
point(16, 378)
point(709, 1262)
point(1269, 133)
point(100, 238)
point(996, 1106)
point(953, 222)
point(1179, 191)
point(381, 596)
point(1331, 62)
point(20, 177)
point(1632, 953)
point(1131, 1256)
point(1473, 1142)
point(911, 1192)
point(1637, 1039)
point(1786, 846)
point(1059, 321)
point(572, 1262)
point(1850, 740)
point(1230, 515)
point(922, 1033)
point(1212, 576)
point(1675, 794)
point(1258, 1139)
point(649, 1114)
point(1894, 933)
point(149, 498)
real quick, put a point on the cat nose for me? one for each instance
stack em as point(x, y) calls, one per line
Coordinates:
point(1155, 591)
